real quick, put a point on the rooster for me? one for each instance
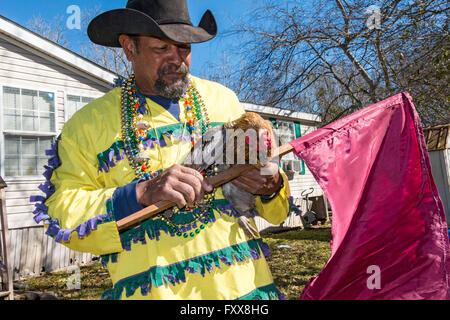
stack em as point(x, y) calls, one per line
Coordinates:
point(221, 144)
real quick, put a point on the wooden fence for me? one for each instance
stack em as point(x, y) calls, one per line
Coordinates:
point(34, 253)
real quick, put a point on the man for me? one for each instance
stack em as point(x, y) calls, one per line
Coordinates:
point(122, 152)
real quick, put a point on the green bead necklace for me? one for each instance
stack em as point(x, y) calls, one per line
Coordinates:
point(201, 214)
point(134, 133)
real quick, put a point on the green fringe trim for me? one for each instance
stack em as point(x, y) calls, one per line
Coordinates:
point(175, 129)
point(118, 148)
point(105, 259)
point(269, 292)
point(153, 227)
point(106, 158)
point(175, 273)
point(110, 210)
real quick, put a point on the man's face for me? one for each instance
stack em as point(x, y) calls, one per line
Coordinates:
point(161, 66)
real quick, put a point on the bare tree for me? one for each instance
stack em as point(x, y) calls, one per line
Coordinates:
point(227, 72)
point(52, 30)
point(112, 59)
point(335, 57)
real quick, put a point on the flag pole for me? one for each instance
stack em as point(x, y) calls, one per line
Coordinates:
point(216, 181)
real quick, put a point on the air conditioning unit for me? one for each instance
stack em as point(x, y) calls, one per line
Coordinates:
point(283, 165)
point(296, 165)
point(288, 168)
point(287, 165)
point(292, 165)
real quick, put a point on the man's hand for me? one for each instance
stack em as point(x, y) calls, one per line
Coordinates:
point(178, 184)
point(264, 181)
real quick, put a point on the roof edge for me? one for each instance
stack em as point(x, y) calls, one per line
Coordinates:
point(54, 50)
point(284, 113)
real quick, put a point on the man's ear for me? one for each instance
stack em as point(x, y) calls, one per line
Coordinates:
point(128, 46)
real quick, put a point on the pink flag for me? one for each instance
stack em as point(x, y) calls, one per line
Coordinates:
point(389, 233)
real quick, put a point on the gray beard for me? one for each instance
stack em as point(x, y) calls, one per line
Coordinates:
point(175, 90)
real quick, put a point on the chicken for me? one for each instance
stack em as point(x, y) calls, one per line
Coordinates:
point(226, 145)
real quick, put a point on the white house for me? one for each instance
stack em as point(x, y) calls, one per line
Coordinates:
point(291, 125)
point(41, 85)
point(438, 144)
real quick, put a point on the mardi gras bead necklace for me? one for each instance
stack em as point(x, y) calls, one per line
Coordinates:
point(135, 132)
point(201, 216)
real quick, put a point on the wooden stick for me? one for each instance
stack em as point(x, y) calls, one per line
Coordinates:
point(283, 150)
point(154, 209)
point(216, 181)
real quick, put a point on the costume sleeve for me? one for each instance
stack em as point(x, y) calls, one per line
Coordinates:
point(125, 201)
point(276, 210)
point(78, 211)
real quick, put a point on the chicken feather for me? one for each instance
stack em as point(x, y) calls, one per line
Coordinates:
point(210, 150)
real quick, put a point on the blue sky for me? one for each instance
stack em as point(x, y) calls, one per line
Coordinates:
point(22, 11)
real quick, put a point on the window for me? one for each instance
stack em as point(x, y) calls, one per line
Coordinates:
point(25, 156)
point(28, 110)
point(75, 103)
point(28, 130)
point(287, 131)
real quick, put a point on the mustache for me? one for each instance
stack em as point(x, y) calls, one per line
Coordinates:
point(171, 68)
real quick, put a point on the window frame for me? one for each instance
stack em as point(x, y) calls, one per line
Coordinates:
point(75, 93)
point(292, 132)
point(296, 134)
point(20, 133)
point(35, 157)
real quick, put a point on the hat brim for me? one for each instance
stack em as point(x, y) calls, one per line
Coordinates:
point(106, 28)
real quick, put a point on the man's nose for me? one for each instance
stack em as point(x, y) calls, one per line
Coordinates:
point(177, 55)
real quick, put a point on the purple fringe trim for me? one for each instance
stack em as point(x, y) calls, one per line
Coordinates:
point(41, 210)
point(265, 249)
point(142, 109)
point(293, 208)
point(110, 163)
point(229, 210)
point(153, 230)
point(84, 229)
point(156, 232)
point(114, 157)
point(151, 143)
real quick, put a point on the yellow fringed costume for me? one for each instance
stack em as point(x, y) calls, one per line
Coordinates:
point(149, 261)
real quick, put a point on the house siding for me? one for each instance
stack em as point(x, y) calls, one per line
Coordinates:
point(299, 182)
point(440, 165)
point(32, 252)
point(20, 68)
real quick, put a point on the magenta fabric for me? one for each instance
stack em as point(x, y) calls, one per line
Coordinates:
point(389, 232)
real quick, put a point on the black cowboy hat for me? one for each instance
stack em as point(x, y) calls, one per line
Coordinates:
point(167, 19)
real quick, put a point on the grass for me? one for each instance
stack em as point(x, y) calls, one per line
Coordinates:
point(94, 281)
point(291, 267)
